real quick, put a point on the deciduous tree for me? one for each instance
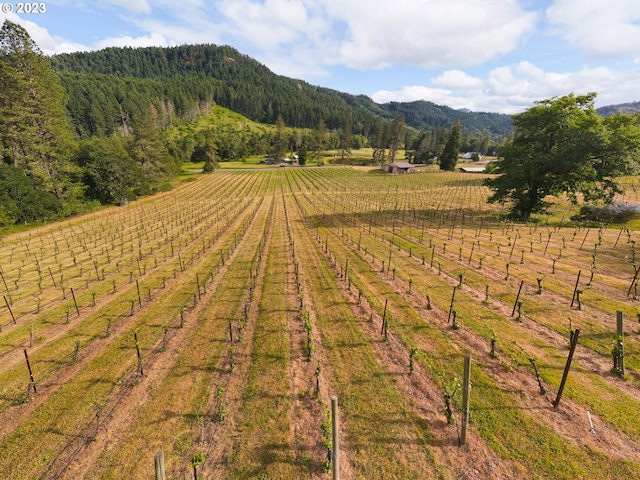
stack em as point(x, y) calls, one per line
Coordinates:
point(379, 144)
point(396, 135)
point(562, 146)
point(109, 172)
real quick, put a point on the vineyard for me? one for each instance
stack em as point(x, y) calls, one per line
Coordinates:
point(216, 321)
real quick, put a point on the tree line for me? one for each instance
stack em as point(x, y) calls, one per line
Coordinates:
point(47, 170)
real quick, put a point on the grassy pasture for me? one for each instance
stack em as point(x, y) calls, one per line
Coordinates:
point(255, 296)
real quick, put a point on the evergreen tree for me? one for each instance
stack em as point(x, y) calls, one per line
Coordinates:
point(303, 153)
point(449, 156)
point(210, 157)
point(483, 143)
point(35, 134)
point(280, 140)
point(149, 152)
point(320, 140)
point(421, 152)
point(379, 150)
point(345, 139)
point(438, 141)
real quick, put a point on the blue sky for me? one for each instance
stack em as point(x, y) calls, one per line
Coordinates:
point(484, 55)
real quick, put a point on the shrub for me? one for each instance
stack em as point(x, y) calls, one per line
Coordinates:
point(616, 213)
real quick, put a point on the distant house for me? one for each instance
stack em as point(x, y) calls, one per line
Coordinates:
point(400, 167)
point(472, 169)
point(472, 155)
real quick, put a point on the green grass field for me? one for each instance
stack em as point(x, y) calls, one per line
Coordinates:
point(219, 318)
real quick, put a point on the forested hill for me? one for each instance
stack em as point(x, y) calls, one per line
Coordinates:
point(108, 86)
point(424, 115)
point(632, 107)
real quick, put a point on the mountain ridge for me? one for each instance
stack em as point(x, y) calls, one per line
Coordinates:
point(179, 79)
point(628, 107)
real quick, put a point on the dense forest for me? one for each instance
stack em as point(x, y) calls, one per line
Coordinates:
point(83, 129)
point(182, 81)
point(47, 169)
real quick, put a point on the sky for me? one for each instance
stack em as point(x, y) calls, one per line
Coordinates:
point(481, 55)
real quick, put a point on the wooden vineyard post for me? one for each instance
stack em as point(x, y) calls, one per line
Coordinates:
point(335, 452)
point(572, 348)
point(513, 246)
point(73, 295)
point(466, 387)
point(33, 382)
point(453, 298)
point(52, 279)
point(620, 331)
point(575, 289)
point(138, 290)
point(9, 308)
point(158, 461)
point(515, 305)
point(346, 270)
point(384, 317)
point(3, 280)
point(547, 245)
point(135, 337)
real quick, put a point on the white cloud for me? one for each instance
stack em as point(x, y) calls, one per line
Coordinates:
point(308, 38)
point(268, 24)
point(412, 93)
point(601, 29)
point(153, 40)
point(513, 88)
point(49, 44)
point(457, 79)
point(380, 34)
point(431, 33)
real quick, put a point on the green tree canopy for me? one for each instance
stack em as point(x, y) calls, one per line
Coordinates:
point(449, 156)
point(109, 172)
point(379, 142)
point(562, 146)
point(24, 199)
point(346, 138)
point(280, 143)
point(320, 140)
point(149, 152)
point(396, 134)
point(35, 134)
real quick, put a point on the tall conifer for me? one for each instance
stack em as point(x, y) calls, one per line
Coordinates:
point(35, 133)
